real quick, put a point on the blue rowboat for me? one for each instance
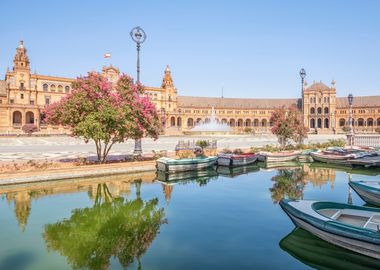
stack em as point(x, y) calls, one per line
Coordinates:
point(369, 191)
point(356, 228)
point(171, 165)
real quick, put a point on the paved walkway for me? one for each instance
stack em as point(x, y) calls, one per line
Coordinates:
point(40, 148)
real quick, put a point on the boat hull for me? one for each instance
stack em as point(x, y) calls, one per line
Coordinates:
point(235, 161)
point(331, 160)
point(192, 165)
point(352, 236)
point(281, 158)
point(369, 195)
point(361, 247)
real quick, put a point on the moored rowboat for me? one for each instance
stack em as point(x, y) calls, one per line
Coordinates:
point(171, 165)
point(369, 191)
point(280, 156)
point(331, 158)
point(352, 227)
point(233, 160)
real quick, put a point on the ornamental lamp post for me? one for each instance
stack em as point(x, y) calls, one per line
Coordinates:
point(302, 75)
point(138, 36)
point(350, 136)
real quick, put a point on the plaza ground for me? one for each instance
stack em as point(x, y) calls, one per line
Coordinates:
point(20, 149)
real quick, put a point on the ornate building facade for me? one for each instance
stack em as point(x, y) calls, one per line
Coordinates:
point(23, 96)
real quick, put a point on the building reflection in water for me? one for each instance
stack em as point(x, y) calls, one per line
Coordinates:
point(23, 195)
point(291, 182)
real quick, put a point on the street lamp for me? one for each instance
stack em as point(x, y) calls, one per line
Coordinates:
point(351, 132)
point(138, 36)
point(302, 75)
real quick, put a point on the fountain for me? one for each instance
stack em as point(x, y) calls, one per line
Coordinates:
point(210, 128)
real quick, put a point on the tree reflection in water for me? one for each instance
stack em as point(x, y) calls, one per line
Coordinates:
point(288, 183)
point(113, 227)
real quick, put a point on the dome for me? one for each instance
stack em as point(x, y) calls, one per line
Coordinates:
point(317, 86)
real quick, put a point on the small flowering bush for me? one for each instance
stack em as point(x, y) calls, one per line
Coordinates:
point(29, 129)
point(95, 110)
point(287, 125)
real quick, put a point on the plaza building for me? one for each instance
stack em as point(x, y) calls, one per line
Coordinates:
point(24, 95)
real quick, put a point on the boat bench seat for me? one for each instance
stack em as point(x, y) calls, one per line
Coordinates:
point(373, 223)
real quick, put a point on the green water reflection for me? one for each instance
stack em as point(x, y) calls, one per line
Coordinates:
point(113, 227)
point(214, 219)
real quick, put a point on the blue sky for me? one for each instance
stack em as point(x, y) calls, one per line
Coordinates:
point(250, 48)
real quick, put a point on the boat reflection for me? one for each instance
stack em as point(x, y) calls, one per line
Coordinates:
point(201, 177)
point(114, 228)
point(320, 254)
point(236, 171)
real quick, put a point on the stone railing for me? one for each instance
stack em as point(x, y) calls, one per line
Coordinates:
point(366, 140)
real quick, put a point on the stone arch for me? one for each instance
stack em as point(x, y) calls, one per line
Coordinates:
point(264, 122)
point(199, 120)
point(190, 122)
point(326, 110)
point(319, 123)
point(172, 121)
point(232, 122)
point(248, 122)
point(224, 121)
point(312, 110)
point(342, 122)
point(29, 118)
point(207, 120)
point(319, 110)
point(370, 122)
point(17, 118)
point(378, 122)
point(256, 122)
point(327, 123)
point(179, 121)
point(361, 122)
point(240, 122)
point(312, 123)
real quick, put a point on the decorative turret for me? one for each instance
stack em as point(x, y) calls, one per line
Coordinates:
point(21, 60)
point(167, 81)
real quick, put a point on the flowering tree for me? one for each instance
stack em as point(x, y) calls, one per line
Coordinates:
point(95, 110)
point(287, 125)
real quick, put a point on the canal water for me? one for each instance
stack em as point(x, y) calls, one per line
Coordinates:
point(229, 219)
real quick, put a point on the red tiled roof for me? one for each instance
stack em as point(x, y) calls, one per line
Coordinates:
point(234, 103)
point(366, 101)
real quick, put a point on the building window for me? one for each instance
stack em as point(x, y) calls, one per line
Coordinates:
point(312, 110)
point(22, 96)
point(52, 87)
point(31, 102)
point(47, 100)
point(22, 86)
point(319, 110)
point(45, 87)
point(11, 101)
point(60, 88)
point(67, 89)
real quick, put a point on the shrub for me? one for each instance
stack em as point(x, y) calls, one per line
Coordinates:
point(247, 130)
point(238, 151)
point(202, 144)
point(226, 151)
point(29, 129)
